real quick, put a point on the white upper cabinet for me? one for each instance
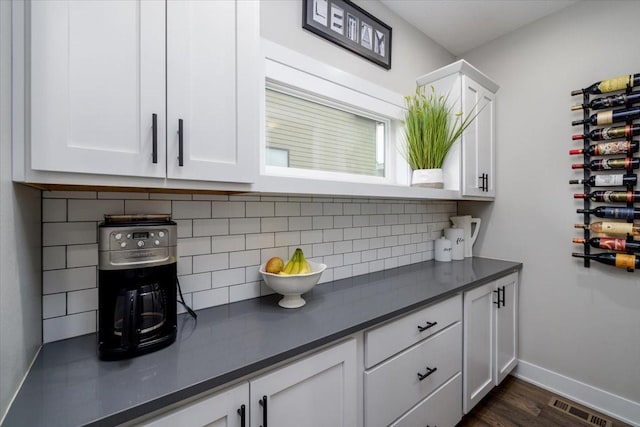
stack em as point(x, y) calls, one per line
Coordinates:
point(210, 90)
point(105, 79)
point(97, 79)
point(470, 164)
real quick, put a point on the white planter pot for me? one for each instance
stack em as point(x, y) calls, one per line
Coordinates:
point(432, 178)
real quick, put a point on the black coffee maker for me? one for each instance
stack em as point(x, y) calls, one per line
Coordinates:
point(137, 285)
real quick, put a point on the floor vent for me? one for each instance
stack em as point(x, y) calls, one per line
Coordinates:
point(579, 413)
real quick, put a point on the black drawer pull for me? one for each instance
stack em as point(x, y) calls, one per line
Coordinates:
point(497, 291)
point(429, 372)
point(427, 326)
point(242, 413)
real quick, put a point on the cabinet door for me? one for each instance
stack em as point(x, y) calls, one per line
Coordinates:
point(478, 147)
point(218, 410)
point(97, 77)
point(478, 371)
point(317, 391)
point(212, 87)
point(506, 349)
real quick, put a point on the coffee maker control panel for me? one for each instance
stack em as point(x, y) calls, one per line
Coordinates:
point(138, 239)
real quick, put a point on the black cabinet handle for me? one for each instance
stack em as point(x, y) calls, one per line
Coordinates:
point(484, 182)
point(242, 412)
point(180, 142)
point(427, 326)
point(425, 375)
point(497, 291)
point(154, 126)
point(263, 403)
point(503, 296)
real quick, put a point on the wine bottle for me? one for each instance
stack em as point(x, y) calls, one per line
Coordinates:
point(607, 180)
point(606, 164)
point(616, 259)
point(607, 148)
point(610, 133)
point(610, 196)
point(610, 101)
point(611, 243)
point(608, 227)
point(610, 85)
point(613, 212)
point(611, 116)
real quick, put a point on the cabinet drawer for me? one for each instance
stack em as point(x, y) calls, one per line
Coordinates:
point(442, 408)
point(387, 340)
point(393, 387)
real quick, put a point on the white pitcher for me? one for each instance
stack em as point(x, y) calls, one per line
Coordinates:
point(465, 222)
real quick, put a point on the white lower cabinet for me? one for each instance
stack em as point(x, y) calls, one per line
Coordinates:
point(490, 337)
point(319, 390)
point(415, 375)
point(440, 409)
point(223, 409)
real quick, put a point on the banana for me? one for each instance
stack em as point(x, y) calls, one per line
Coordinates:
point(297, 264)
point(305, 268)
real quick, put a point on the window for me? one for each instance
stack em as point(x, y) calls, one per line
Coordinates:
point(306, 134)
point(321, 123)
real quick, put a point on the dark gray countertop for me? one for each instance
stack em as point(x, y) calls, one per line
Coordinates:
point(69, 386)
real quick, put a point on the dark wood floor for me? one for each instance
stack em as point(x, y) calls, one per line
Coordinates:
point(518, 403)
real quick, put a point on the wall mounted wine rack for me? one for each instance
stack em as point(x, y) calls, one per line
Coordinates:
point(609, 110)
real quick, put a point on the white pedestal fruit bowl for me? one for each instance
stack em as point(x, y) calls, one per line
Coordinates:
point(292, 286)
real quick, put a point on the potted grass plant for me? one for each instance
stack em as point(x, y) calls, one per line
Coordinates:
point(430, 129)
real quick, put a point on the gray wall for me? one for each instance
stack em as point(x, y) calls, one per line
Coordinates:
point(580, 323)
point(412, 54)
point(20, 314)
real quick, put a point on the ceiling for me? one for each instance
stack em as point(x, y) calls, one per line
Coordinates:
point(461, 25)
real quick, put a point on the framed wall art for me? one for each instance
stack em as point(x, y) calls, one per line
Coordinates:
point(348, 25)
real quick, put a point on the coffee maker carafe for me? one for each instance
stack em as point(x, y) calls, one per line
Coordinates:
point(137, 285)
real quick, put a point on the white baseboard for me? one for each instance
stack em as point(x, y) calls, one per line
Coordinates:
point(602, 401)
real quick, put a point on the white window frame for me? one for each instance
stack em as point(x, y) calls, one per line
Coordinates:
point(298, 75)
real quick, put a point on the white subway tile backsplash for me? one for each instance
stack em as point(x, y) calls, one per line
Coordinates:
point(60, 328)
point(195, 282)
point(224, 278)
point(82, 255)
point(260, 209)
point(322, 249)
point(222, 241)
point(185, 227)
point(54, 257)
point(210, 227)
point(71, 279)
point(244, 258)
point(68, 194)
point(210, 262)
point(244, 291)
point(84, 300)
point(227, 210)
point(271, 224)
point(287, 209)
point(191, 209)
point(227, 243)
point(69, 233)
point(299, 223)
point(210, 298)
point(93, 210)
point(261, 240)
point(287, 238)
point(147, 206)
point(54, 305)
point(54, 210)
point(244, 225)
